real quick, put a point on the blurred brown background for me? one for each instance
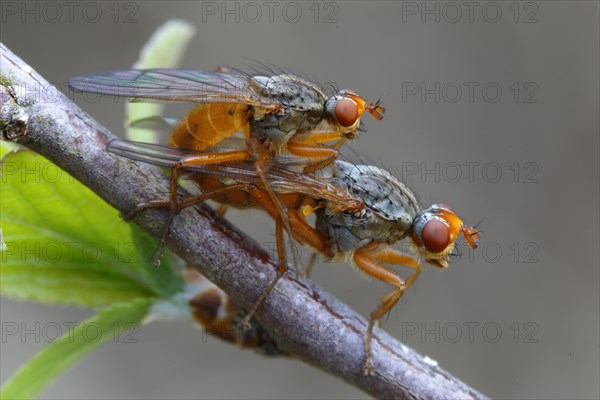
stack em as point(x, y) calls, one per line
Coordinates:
point(492, 108)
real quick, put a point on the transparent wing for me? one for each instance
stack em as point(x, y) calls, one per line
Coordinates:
point(156, 154)
point(172, 85)
point(280, 180)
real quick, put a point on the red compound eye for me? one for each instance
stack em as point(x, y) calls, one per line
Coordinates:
point(346, 112)
point(436, 236)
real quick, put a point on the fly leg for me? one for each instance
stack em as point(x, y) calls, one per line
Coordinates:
point(261, 164)
point(311, 146)
point(303, 232)
point(265, 199)
point(369, 262)
point(306, 234)
point(187, 162)
point(181, 205)
point(397, 257)
point(280, 272)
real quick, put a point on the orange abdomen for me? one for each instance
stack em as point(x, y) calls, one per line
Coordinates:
point(210, 124)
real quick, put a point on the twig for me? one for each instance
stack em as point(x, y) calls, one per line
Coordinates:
point(306, 322)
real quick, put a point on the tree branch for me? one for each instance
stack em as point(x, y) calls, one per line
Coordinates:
point(306, 322)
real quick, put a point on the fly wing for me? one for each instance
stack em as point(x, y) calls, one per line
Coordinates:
point(167, 156)
point(173, 85)
point(156, 154)
point(280, 180)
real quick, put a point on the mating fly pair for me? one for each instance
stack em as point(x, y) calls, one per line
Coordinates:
point(287, 121)
point(361, 210)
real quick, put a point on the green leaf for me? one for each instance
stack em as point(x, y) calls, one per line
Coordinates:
point(64, 244)
point(107, 325)
point(7, 147)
